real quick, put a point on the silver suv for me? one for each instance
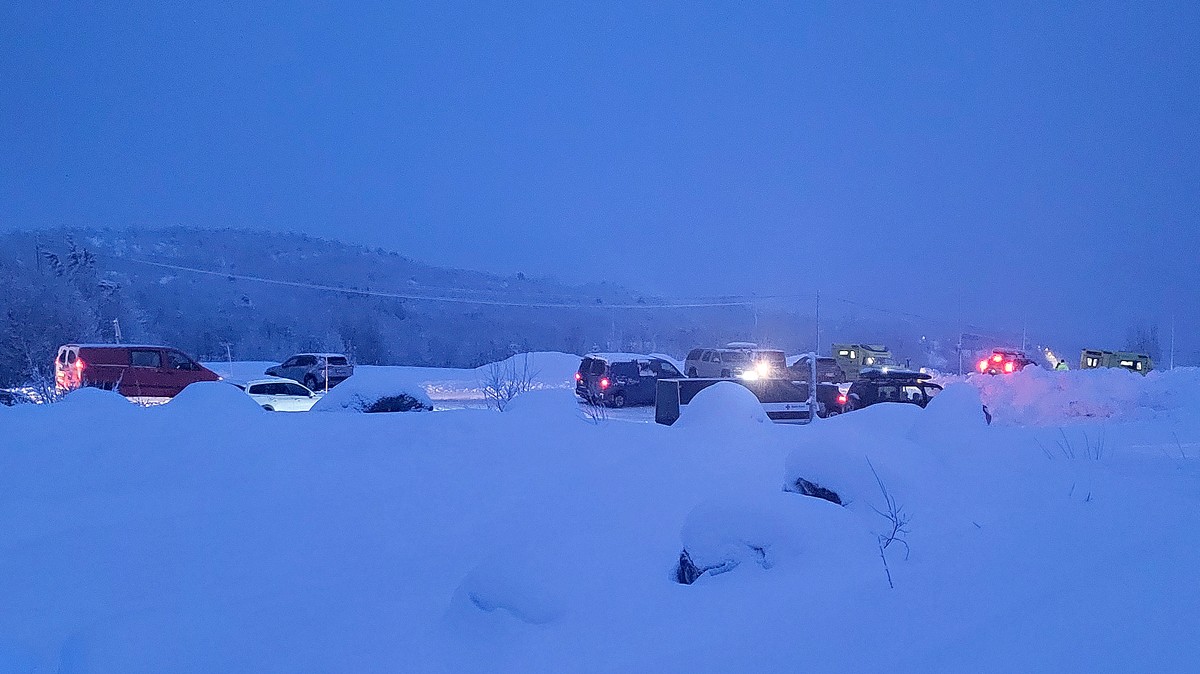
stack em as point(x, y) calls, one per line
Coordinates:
point(315, 370)
point(743, 361)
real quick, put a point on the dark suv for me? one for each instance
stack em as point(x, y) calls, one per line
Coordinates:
point(890, 387)
point(620, 379)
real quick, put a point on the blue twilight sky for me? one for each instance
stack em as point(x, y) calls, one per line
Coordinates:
point(1032, 163)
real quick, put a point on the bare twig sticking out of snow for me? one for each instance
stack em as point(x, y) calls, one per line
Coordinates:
point(506, 380)
point(593, 411)
point(897, 524)
point(1179, 446)
point(1093, 448)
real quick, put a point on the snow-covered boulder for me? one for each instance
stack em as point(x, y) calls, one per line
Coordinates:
point(723, 404)
point(375, 390)
point(776, 533)
point(215, 398)
point(720, 536)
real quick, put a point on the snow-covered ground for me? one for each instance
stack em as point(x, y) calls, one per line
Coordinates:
point(449, 388)
point(208, 535)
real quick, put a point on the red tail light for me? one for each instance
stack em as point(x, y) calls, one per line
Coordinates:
point(79, 364)
point(1009, 366)
point(842, 399)
point(604, 382)
point(983, 365)
point(578, 377)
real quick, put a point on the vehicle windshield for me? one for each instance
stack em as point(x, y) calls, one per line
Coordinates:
point(775, 358)
point(735, 357)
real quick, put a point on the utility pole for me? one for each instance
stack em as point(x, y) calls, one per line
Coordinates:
point(1172, 342)
point(812, 367)
point(117, 331)
point(960, 336)
point(817, 348)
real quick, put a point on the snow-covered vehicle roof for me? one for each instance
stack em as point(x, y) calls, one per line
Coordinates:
point(617, 356)
point(268, 380)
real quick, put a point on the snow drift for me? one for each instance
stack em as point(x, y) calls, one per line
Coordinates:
point(374, 390)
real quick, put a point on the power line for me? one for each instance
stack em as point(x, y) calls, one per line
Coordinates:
point(452, 300)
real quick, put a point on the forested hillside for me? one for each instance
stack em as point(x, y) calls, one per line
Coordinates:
point(64, 285)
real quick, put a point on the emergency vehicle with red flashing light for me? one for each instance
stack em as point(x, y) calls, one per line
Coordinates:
point(1004, 361)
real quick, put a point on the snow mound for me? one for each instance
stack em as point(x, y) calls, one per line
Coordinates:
point(375, 390)
point(546, 368)
point(844, 455)
point(723, 404)
point(954, 416)
point(96, 400)
point(775, 532)
point(517, 583)
point(720, 536)
point(1040, 397)
point(213, 397)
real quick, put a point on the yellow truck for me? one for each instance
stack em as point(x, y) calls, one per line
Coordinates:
point(854, 358)
point(1134, 362)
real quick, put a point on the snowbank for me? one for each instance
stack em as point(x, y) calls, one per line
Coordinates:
point(95, 401)
point(186, 540)
point(374, 390)
point(1041, 397)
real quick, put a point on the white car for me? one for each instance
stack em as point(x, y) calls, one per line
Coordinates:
point(280, 395)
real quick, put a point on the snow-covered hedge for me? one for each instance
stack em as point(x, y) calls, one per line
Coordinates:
point(374, 390)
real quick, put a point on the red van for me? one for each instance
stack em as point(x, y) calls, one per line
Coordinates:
point(133, 370)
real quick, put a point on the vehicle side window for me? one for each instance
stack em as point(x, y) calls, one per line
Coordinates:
point(668, 371)
point(695, 354)
point(290, 362)
point(258, 389)
point(627, 369)
point(887, 393)
point(707, 356)
point(294, 390)
point(308, 361)
point(142, 358)
point(716, 357)
point(178, 361)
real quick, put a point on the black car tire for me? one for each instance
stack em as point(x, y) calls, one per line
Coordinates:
point(691, 372)
point(724, 374)
point(268, 408)
point(618, 400)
